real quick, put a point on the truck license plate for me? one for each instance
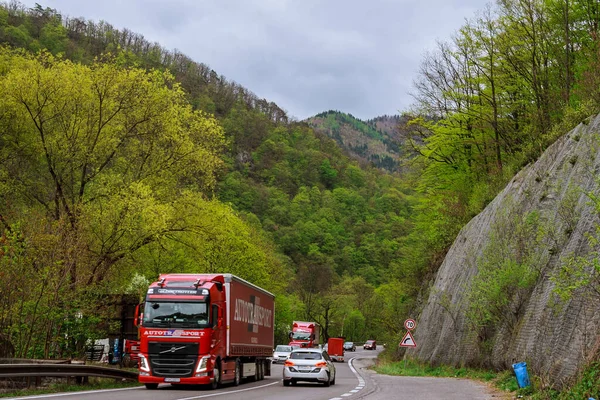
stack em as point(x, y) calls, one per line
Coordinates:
point(171, 379)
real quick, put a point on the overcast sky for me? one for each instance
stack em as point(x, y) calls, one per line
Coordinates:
point(307, 56)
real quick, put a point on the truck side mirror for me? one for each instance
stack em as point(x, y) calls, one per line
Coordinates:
point(138, 317)
point(290, 335)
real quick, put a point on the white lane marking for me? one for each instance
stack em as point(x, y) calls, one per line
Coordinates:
point(361, 381)
point(47, 396)
point(230, 392)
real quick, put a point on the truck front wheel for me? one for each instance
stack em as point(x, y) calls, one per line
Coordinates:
point(151, 386)
point(217, 376)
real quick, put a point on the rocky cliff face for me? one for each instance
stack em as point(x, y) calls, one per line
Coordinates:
point(495, 297)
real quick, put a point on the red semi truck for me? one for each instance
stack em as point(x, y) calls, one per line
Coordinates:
point(305, 334)
point(205, 329)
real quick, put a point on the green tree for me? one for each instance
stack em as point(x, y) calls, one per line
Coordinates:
point(106, 146)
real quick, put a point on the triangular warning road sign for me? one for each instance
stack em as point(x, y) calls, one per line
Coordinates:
point(407, 341)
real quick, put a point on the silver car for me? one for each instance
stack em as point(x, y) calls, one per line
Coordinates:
point(308, 365)
point(281, 353)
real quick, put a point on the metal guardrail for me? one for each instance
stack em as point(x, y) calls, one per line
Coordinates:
point(34, 361)
point(64, 370)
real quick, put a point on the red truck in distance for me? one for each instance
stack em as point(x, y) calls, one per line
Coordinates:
point(204, 329)
point(305, 334)
point(335, 349)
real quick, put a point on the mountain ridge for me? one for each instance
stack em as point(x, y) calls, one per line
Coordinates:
point(381, 141)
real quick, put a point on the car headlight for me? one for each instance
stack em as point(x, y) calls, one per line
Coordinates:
point(143, 363)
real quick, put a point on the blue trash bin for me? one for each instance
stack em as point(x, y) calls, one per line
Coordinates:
point(521, 373)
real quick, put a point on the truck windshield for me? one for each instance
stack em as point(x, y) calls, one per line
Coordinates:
point(301, 335)
point(176, 314)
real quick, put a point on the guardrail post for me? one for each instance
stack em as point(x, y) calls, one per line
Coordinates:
point(80, 379)
point(36, 382)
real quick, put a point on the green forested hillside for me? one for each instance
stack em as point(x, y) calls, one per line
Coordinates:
point(380, 142)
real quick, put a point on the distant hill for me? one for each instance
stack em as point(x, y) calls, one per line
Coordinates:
point(379, 141)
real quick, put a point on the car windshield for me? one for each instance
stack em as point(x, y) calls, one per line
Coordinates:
point(176, 314)
point(370, 341)
point(348, 344)
point(283, 349)
point(305, 355)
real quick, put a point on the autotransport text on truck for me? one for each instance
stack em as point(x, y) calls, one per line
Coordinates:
point(205, 329)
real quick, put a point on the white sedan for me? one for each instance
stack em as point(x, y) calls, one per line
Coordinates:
point(309, 365)
point(281, 353)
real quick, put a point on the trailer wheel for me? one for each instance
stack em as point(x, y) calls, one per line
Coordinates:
point(261, 370)
point(151, 386)
point(237, 375)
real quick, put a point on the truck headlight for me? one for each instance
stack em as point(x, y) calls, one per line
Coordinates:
point(202, 364)
point(144, 365)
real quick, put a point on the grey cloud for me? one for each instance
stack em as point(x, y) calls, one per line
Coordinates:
point(307, 56)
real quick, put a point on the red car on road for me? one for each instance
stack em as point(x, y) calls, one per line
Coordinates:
point(370, 345)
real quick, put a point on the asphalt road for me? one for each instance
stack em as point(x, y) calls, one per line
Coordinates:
point(385, 387)
point(354, 381)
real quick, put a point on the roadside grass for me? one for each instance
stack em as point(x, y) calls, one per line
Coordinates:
point(587, 385)
point(415, 368)
point(60, 387)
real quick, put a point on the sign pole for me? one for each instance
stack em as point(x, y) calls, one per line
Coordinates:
point(408, 340)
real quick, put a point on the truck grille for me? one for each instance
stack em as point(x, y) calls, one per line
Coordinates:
point(170, 359)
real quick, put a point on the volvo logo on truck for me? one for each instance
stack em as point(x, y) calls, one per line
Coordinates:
point(173, 349)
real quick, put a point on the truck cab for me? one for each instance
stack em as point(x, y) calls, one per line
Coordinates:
point(305, 334)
